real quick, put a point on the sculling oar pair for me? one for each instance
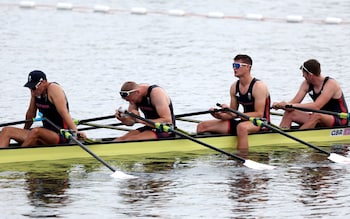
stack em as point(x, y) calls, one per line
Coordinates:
point(258, 122)
point(166, 128)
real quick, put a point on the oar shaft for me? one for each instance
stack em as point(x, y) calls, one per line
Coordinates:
point(340, 115)
point(197, 113)
point(16, 123)
point(259, 122)
point(188, 120)
point(92, 154)
point(294, 138)
point(276, 114)
point(83, 147)
point(188, 137)
point(112, 126)
point(96, 119)
point(208, 145)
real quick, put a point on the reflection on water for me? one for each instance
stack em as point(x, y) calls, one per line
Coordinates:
point(145, 194)
point(45, 191)
point(321, 188)
point(247, 190)
point(185, 187)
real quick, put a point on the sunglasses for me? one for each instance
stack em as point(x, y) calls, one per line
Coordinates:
point(37, 85)
point(125, 94)
point(302, 67)
point(236, 65)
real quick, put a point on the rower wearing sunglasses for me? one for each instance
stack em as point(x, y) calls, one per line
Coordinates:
point(153, 102)
point(326, 94)
point(252, 94)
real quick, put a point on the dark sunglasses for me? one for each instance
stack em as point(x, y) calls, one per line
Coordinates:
point(236, 65)
point(302, 67)
point(125, 94)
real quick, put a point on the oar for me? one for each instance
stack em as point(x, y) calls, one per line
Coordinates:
point(188, 120)
point(68, 135)
point(276, 114)
point(341, 115)
point(22, 121)
point(197, 113)
point(198, 121)
point(93, 127)
point(77, 122)
point(246, 162)
point(16, 123)
point(112, 126)
point(258, 122)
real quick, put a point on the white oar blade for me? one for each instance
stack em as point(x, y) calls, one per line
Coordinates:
point(257, 166)
point(121, 175)
point(339, 158)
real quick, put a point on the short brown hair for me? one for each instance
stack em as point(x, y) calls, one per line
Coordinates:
point(245, 58)
point(313, 66)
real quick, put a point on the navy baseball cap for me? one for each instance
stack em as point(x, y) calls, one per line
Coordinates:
point(34, 78)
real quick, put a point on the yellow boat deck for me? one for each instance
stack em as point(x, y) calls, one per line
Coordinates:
point(176, 146)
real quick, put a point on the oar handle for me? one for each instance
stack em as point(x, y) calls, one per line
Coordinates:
point(234, 111)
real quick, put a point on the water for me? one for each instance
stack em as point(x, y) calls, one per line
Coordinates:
point(92, 54)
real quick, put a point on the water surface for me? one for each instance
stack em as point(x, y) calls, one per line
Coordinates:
point(91, 54)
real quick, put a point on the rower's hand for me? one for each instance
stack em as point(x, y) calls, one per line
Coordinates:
point(217, 114)
point(280, 105)
point(276, 105)
point(81, 135)
point(119, 113)
point(124, 118)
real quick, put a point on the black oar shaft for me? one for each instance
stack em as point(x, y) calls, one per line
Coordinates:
point(197, 113)
point(208, 145)
point(107, 126)
point(92, 154)
point(96, 118)
point(294, 138)
point(263, 123)
point(16, 123)
point(276, 114)
point(188, 137)
point(188, 120)
point(83, 147)
point(341, 115)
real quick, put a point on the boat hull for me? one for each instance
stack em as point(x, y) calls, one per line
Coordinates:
point(257, 142)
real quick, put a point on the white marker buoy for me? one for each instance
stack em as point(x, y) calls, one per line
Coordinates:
point(141, 11)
